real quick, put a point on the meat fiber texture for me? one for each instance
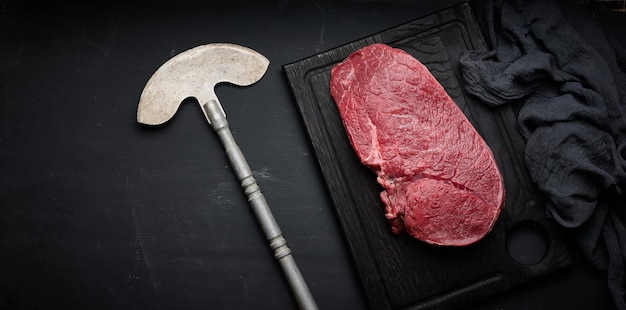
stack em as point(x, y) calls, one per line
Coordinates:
point(441, 182)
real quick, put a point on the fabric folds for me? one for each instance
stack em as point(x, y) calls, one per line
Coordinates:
point(556, 63)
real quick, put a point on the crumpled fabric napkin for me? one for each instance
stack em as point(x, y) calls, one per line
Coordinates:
point(568, 79)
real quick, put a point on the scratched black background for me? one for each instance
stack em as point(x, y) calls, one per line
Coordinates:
point(98, 212)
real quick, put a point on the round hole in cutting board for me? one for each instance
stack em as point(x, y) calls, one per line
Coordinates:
point(527, 243)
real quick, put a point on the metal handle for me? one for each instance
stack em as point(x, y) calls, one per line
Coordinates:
point(260, 208)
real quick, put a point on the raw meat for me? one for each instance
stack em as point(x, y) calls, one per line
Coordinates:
point(441, 182)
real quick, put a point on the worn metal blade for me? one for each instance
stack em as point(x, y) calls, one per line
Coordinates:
point(194, 73)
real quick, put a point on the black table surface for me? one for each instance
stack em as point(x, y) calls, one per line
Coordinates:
point(99, 212)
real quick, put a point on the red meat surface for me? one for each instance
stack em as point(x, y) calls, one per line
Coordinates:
point(440, 181)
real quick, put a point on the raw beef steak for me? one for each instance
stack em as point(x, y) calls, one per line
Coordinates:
point(441, 182)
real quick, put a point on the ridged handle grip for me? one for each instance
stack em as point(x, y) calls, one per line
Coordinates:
point(259, 205)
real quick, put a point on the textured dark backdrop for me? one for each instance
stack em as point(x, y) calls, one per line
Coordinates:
point(98, 212)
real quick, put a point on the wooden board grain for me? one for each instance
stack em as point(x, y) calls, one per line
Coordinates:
point(399, 272)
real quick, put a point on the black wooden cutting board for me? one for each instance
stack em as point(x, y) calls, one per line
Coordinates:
point(399, 272)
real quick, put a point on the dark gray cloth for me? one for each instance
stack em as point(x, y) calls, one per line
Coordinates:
point(555, 61)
